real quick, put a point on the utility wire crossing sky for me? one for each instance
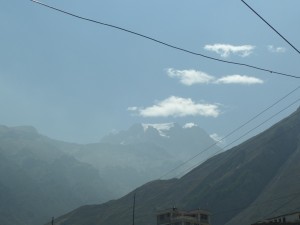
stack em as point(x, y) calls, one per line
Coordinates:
point(76, 82)
point(166, 44)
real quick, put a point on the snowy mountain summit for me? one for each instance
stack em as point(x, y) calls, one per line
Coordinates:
point(183, 141)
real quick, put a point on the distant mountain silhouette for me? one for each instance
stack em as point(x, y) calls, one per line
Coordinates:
point(41, 177)
point(178, 141)
point(38, 180)
point(131, 158)
point(255, 180)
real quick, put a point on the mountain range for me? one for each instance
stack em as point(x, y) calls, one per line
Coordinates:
point(255, 180)
point(39, 180)
point(128, 159)
point(42, 177)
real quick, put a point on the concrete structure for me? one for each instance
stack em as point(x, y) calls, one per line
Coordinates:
point(179, 217)
point(286, 219)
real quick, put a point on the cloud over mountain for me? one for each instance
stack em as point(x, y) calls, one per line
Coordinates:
point(225, 50)
point(178, 107)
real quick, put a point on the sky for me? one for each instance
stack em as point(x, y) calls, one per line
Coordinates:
point(77, 81)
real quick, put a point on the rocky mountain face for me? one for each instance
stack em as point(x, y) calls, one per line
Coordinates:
point(178, 141)
point(255, 180)
point(131, 158)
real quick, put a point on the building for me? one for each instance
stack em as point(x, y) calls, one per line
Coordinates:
point(291, 219)
point(179, 217)
point(286, 218)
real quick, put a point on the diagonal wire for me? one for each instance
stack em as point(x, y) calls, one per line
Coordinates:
point(232, 132)
point(284, 204)
point(216, 153)
point(166, 44)
point(267, 202)
point(253, 204)
point(271, 27)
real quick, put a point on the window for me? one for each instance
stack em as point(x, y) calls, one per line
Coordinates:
point(204, 217)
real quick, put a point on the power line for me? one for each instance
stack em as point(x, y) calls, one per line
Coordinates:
point(187, 51)
point(271, 27)
point(293, 103)
point(295, 194)
point(190, 52)
point(216, 153)
point(284, 204)
point(237, 138)
point(166, 44)
point(232, 132)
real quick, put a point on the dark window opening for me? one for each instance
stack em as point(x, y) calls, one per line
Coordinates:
point(204, 217)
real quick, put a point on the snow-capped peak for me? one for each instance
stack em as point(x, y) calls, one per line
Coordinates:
point(160, 127)
point(189, 125)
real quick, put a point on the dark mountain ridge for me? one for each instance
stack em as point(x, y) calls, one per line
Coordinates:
point(250, 182)
point(38, 180)
point(42, 177)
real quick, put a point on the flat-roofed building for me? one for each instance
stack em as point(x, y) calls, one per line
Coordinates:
point(290, 219)
point(175, 216)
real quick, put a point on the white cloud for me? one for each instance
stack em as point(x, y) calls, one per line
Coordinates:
point(190, 77)
point(189, 125)
point(179, 107)
point(239, 79)
point(221, 141)
point(273, 49)
point(224, 50)
point(216, 137)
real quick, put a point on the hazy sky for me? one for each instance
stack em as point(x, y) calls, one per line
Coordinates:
point(77, 81)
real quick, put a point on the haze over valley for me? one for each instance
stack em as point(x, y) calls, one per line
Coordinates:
point(42, 177)
point(149, 112)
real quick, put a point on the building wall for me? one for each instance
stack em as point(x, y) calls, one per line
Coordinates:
point(178, 217)
point(295, 217)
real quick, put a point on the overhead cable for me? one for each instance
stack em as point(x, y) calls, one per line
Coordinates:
point(166, 44)
point(216, 153)
point(294, 195)
point(271, 27)
point(232, 132)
